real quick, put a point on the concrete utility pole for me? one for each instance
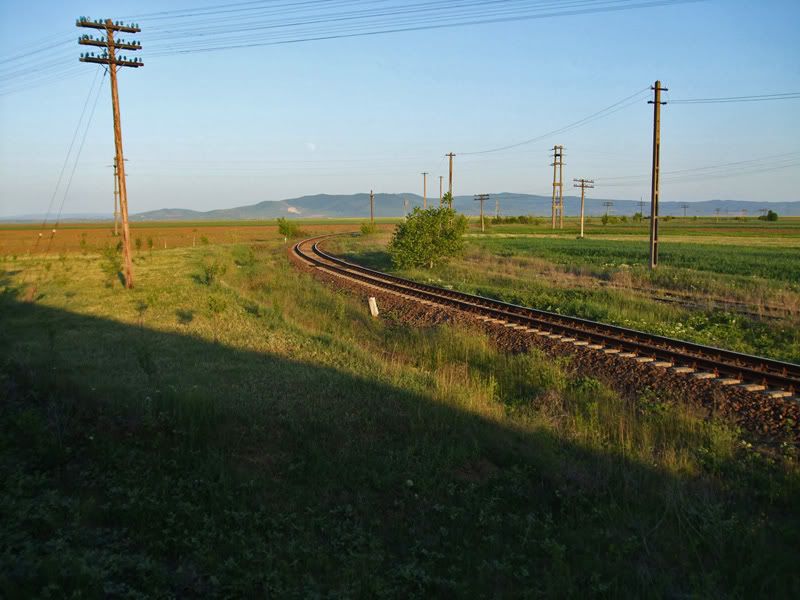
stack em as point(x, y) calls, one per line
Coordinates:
point(482, 198)
point(654, 180)
point(371, 208)
point(557, 208)
point(441, 179)
point(584, 184)
point(424, 189)
point(450, 180)
point(684, 206)
point(110, 59)
point(608, 204)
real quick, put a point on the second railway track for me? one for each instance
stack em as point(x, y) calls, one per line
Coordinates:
point(756, 374)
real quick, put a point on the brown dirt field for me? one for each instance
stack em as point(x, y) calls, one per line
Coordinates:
point(22, 240)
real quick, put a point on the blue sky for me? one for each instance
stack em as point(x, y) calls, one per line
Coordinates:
point(235, 127)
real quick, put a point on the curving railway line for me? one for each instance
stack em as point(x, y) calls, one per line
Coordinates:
point(753, 373)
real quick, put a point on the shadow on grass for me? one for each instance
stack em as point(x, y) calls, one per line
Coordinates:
point(137, 461)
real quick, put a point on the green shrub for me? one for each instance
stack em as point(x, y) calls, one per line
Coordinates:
point(212, 269)
point(426, 237)
point(288, 229)
point(244, 256)
point(111, 263)
point(368, 228)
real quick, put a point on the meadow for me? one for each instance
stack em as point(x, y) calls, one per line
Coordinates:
point(696, 293)
point(232, 427)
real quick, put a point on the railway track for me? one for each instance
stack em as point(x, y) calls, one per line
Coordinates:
point(774, 378)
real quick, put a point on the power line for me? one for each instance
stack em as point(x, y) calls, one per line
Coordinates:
point(80, 149)
point(619, 105)
point(415, 20)
point(729, 99)
point(69, 150)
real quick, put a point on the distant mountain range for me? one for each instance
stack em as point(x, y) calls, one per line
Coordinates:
point(396, 205)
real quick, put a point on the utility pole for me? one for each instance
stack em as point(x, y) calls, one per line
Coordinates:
point(641, 206)
point(371, 208)
point(482, 198)
point(557, 208)
point(608, 204)
point(109, 58)
point(441, 178)
point(116, 199)
point(654, 179)
point(584, 184)
point(424, 189)
point(716, 218)
point(684, 206)
point(450, 180)
point(405, 205)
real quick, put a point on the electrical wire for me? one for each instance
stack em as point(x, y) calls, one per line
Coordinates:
point(609, 110)
point(69, 152)
point(729, 99)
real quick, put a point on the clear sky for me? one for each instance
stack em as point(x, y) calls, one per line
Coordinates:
point(238, 126)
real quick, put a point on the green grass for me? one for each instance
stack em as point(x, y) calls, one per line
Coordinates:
point(785, 229)
point(748, 263)
point(263, 436)
point(602, 279)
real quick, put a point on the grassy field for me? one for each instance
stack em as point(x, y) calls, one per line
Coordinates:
point(231, 427)
point(607, 280)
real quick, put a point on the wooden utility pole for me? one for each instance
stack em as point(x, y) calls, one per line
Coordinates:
point(116, 200)
point(654, 180)
point(557, 208)
point(584, 184)
point(371, 208)
point(441, 178)
point(109, 58)
point(424, 189)
point(684, 206)
point(450, 180)
point(482, 198)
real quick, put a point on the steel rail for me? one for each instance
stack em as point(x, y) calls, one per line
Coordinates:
point(734, 365)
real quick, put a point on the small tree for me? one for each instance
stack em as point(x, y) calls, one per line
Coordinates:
point(288, 229)
point(111, 264)
point(447, 200)
point(770, 216)
point(216, 306)
point(138, 243)
point(427, 237)
point(150, 244)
